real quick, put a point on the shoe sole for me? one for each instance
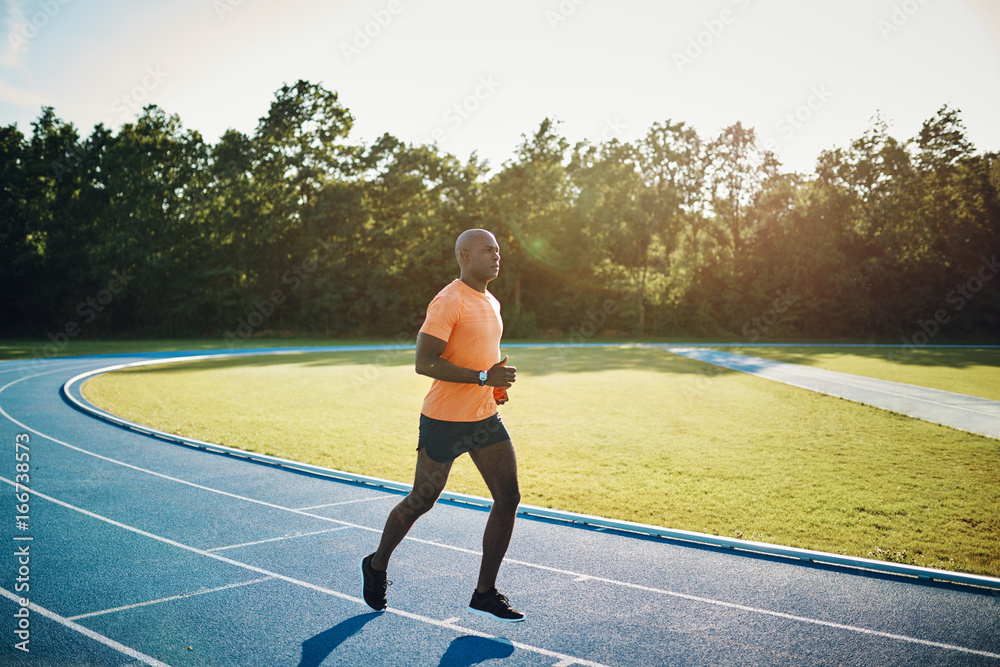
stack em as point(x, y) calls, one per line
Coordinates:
point(495, 618)
point(380, 611)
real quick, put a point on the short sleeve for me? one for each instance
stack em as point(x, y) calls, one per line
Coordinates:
point(443, 313)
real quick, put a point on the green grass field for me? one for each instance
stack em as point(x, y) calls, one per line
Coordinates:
point(629, 433)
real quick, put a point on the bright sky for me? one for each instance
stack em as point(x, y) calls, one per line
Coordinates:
point(808, 75)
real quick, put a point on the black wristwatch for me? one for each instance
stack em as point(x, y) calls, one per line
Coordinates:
point(483, 377)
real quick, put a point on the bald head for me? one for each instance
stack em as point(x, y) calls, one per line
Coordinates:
point(472, 239)
point(478, 255)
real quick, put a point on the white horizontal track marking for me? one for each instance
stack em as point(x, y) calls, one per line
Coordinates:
point(87, 632)
point(346, 502)
point(279, 539)
point(170, 599)
point(757, 610)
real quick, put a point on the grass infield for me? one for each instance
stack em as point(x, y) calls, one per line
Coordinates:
point(634, 434)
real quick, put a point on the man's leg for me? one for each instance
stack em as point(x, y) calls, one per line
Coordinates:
point(428, 483)
point(498, 466)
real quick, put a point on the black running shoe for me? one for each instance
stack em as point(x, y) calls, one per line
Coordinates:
point(375, 584)
point(494, 605)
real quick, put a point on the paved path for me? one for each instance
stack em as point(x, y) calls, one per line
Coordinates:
point(142, 551)
point(967, 413)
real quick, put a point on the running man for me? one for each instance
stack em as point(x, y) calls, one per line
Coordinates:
point(459, 347)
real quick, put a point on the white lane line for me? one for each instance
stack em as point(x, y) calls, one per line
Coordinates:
point(169, 599)
point(87, 632)
point(57, 370)
point(28, 367)
point(765, 612)
point(346, 502)
point(153, 472)
point(291, 580)
point(279, 539)
point(209, 489)
point(692, 598)
point(263, 503)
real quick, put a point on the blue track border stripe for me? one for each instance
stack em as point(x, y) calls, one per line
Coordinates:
point(803, 555)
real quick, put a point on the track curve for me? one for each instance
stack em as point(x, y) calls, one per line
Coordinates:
point(131, 533)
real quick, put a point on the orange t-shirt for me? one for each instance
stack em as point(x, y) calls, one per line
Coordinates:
point(469, 322)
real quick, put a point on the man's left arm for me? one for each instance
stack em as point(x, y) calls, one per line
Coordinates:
point(430, 363)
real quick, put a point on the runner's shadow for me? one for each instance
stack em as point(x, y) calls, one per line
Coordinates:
point(466, 651)
point(316, 649)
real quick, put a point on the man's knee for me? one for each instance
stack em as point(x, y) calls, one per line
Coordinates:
point(421, 499)
point(417, 505)
point(508, 498)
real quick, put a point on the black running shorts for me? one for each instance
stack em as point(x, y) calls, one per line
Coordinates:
point(445, 441)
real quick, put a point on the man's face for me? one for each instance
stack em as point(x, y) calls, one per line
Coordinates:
point(484, 257)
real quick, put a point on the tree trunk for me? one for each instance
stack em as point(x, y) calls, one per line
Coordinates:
point(642, 306)
point(517, 293)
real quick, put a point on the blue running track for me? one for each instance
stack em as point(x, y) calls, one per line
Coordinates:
point(138, 551)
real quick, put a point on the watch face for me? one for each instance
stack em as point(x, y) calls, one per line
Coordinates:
point(483, 376)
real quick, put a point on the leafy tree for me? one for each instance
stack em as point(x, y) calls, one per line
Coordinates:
point(296, 227)
point(21, 258)
point(52, 193)
point(737, 171)
point(150, 231)
point(869, 181)
point(669, 161)
point(529, 200)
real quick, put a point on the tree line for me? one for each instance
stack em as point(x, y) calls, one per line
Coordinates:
point(152, 231)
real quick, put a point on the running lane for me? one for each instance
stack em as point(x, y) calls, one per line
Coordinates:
point(966, 413)
point(141, 551)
